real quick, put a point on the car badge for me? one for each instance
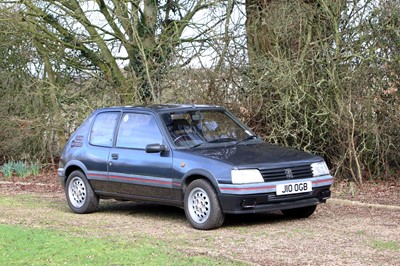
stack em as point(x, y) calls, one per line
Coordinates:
point(289, 173)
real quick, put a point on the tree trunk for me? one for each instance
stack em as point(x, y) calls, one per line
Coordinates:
point(258, 42)
point(286, 29)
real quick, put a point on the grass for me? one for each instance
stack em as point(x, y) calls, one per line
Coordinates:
point(361, 232)
point(386, 245)
point(23, 201)
point(26, 246)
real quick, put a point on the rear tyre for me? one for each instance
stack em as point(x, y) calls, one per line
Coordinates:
point(202, 206)
point(80, 195)
point(303, 212)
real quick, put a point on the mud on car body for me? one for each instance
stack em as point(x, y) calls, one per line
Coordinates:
point(200, 158)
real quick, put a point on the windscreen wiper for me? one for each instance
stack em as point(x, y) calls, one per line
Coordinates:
point(246, 139)
point(197, 145)
point(220, 140)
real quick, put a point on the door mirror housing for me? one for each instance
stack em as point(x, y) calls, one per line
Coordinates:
point(155, 148)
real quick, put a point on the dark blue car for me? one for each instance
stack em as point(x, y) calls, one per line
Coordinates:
point(200, 158)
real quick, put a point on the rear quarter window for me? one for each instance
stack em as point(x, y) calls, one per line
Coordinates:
point(102, 132)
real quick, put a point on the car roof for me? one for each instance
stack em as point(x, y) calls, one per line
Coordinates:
point(161, 108)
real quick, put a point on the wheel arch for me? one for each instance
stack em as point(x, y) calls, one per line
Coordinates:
point(199, 174)
point(73, 166)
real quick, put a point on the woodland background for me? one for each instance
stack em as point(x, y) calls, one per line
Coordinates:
point(318, 75)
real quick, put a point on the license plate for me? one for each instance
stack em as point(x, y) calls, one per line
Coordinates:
point(293, 188)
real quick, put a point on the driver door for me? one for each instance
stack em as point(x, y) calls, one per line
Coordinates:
point(131, 170)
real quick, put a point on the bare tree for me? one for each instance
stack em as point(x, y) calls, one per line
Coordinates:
point(129, 43)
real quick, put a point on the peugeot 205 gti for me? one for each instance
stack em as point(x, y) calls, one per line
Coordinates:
point(199, 158)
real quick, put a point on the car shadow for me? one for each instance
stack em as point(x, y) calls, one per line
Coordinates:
point(238, 220)
point(172, 213)
point(142, 208)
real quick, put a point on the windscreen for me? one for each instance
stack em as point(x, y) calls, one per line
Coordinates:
point(191, 128)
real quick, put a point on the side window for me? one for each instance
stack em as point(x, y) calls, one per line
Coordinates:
point(102, 132)
point(138, 130)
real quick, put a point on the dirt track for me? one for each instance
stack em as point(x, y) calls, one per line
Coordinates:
point(336, 234)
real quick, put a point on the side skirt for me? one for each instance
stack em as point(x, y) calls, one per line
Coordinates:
point(119, 196)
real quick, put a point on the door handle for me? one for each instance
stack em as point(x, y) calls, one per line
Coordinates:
point(114, 156)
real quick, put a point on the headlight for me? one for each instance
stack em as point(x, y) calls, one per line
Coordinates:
point(246, 176)
point(319, 169)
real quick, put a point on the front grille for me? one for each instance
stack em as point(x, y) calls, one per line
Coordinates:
point(294, 172)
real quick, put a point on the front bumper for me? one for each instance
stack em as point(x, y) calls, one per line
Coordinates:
point(261, 197)
point(238, 204)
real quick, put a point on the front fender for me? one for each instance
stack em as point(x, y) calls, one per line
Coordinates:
point(199, 172)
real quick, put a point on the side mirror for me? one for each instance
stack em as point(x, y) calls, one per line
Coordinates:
point(155, 148)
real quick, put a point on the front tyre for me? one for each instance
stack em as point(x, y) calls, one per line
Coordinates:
point(80, 195)
point(202, 207)
point(303, 212)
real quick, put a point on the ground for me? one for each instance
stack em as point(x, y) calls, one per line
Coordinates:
point(339, 233)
